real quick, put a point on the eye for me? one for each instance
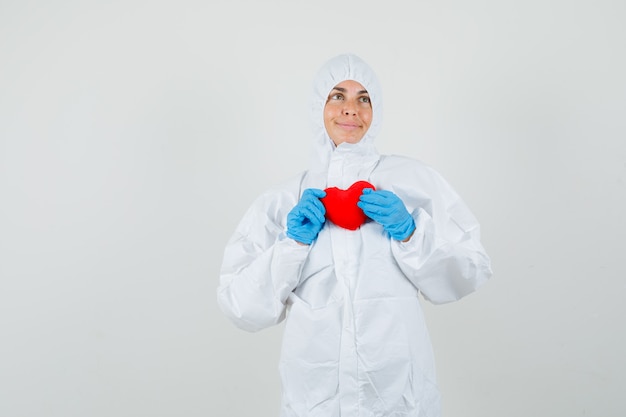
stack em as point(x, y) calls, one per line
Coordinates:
point(336, 96)
point(364, 99)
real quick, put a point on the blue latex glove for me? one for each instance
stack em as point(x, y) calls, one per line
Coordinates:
point(306, 219)
point(386, 208)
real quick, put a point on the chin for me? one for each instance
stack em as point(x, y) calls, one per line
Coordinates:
point(350, 140)
point(353, 140)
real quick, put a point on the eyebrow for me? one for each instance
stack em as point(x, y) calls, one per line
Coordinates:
point(343, 90)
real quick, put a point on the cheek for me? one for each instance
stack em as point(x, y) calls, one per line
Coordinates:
point(367, 117)
point(329, 113)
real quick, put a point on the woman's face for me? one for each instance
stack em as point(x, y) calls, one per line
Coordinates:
point(348, 112)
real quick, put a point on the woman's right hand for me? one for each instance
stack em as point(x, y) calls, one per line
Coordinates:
point(307, 218)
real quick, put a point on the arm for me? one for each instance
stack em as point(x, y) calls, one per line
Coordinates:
point(261, 267)
point(444, 257)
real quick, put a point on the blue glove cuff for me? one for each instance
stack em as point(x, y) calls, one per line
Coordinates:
point(403, 230)
point(307, 239)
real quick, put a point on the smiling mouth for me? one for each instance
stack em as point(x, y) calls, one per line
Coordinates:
point(348, 126)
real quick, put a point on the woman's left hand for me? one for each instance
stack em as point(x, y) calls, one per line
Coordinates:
point(387, 208)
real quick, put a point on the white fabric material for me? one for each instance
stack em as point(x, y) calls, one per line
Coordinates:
point(355, 341)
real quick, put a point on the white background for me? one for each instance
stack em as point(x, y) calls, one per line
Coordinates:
point(134, 134)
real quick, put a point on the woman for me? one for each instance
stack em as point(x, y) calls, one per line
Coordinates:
point(355, 341)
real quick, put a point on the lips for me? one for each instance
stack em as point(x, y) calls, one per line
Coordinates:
point(348, 126)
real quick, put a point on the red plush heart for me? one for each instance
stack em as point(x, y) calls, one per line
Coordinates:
point(341, 207)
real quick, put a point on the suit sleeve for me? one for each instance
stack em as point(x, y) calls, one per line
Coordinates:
point(261, 266)
point(444, 258)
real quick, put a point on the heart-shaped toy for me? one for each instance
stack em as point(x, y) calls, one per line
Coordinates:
point(341, 207)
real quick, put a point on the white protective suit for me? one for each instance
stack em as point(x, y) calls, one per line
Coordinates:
point(355, 341)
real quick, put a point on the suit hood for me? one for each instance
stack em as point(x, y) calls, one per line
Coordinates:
point(334, 71)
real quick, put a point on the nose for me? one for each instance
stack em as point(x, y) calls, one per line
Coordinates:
point(349, 108)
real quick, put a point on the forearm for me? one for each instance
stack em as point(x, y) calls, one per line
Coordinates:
point(444, 269)
point(254, 287)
